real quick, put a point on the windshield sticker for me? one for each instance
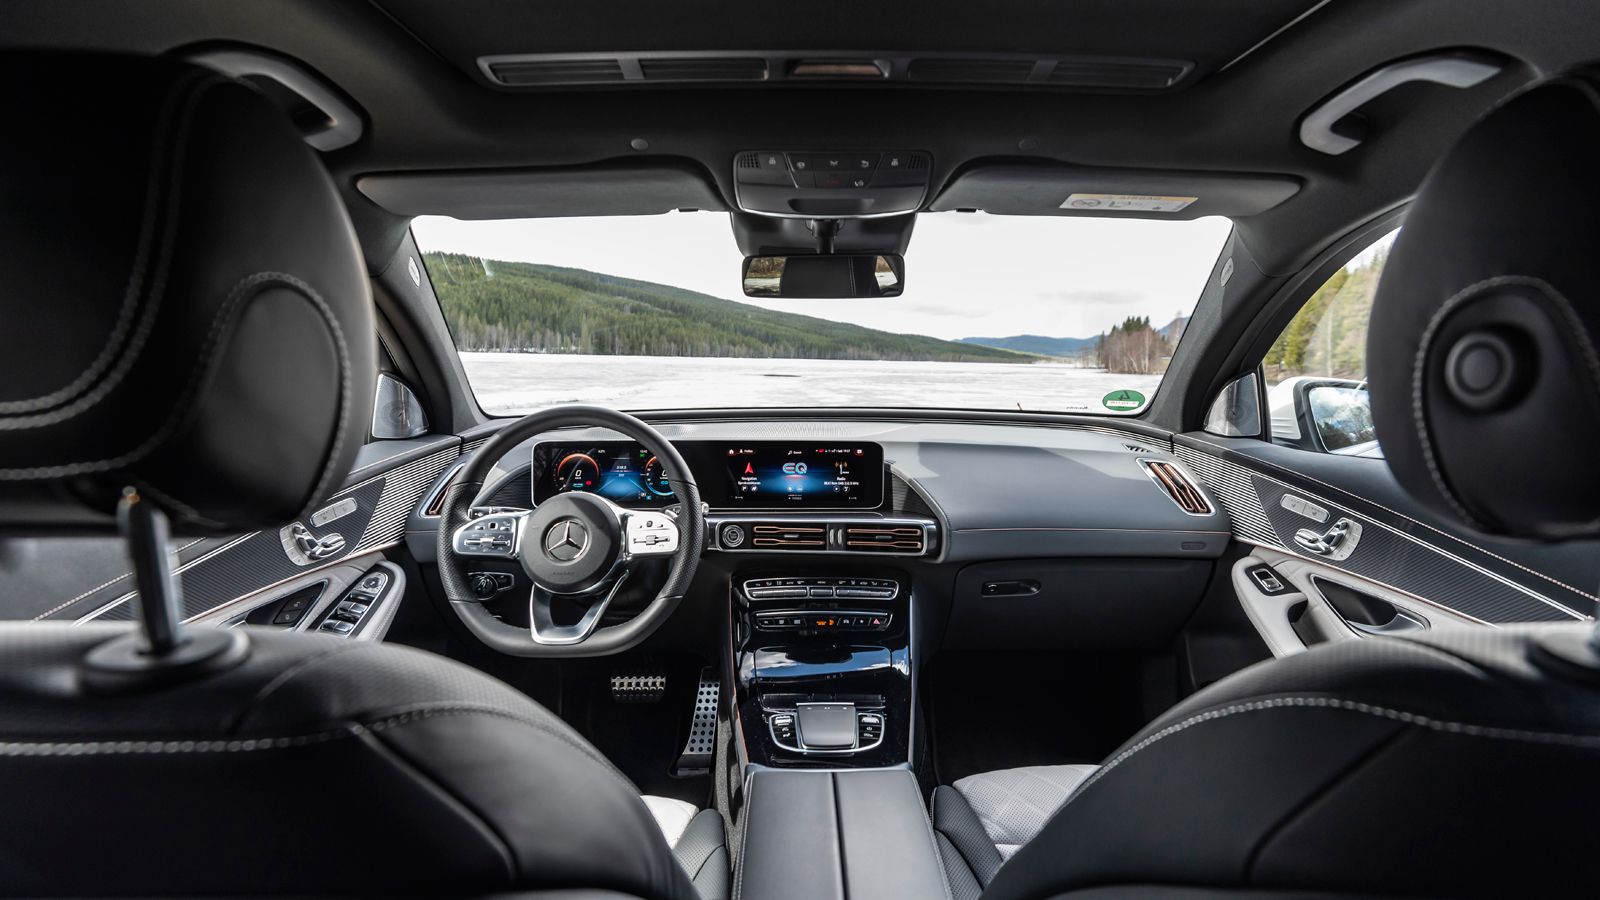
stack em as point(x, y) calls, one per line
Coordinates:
point(1123, 401)
point(1127, 202)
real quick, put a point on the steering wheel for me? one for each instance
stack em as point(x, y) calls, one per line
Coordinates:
point(576, 547)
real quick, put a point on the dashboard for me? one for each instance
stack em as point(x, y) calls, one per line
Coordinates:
point(745, 474)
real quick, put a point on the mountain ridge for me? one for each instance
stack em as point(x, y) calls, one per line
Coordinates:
point(500, 305)
point(1043, 345)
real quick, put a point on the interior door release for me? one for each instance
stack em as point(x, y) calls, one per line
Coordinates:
point(1337, 543)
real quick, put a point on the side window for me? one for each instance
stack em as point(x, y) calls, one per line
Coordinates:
point(1316, 371)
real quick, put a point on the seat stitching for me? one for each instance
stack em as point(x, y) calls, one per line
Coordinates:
point(1460, 298)
point(1581, 741)
point(224, 319)
point(166, 159)
point(253, 745)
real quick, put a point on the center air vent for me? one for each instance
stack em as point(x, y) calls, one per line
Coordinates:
point(883, 538)
point(898, 537)
point(777, 536)
point(1178, 487)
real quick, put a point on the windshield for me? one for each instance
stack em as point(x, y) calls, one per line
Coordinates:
point(1043, 314)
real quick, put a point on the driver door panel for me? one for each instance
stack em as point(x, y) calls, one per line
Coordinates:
point(84, 579)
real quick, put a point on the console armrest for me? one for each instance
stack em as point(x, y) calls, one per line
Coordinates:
point(836, 835)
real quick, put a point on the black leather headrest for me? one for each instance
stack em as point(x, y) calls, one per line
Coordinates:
point(1481, 350)
point(183, 306)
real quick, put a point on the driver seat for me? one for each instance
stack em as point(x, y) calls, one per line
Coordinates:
point(188, 318)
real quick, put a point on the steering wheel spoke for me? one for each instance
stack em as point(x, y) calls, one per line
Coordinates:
point(494, 535)
point(541, 614)
point(649, 533)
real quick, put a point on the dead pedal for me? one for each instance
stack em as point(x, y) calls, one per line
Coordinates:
point(638, 687)
point(701, 746)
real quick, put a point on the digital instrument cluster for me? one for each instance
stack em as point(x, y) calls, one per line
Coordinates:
point(751, 475)
point(620, 471)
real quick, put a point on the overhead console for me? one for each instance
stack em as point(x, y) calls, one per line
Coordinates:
point(831, 184)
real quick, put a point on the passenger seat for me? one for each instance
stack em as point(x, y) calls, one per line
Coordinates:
point(983, 819)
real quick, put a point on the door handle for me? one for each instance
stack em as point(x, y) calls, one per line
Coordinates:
point(1337, 543)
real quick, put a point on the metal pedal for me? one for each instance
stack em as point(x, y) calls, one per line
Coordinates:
point(638, 687)
point(701, 746)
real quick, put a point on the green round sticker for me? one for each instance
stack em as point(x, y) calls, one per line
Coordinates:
point(1123, 401)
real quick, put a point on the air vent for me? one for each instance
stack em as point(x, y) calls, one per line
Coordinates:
point(1124, 76)
point(1137, 449)
point(917, 161)
point(772, 536)
point(708, 68)
point(750, 161)
point(435, 505)
point(538, 72)
point(774, 67)
point(1177, 486)
point(971, 71)
point(883, 539)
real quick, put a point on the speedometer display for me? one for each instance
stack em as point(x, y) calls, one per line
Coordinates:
point(620, 471)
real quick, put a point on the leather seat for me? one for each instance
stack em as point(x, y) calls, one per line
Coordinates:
point(984, 819)
point(1452, 762)
point(189, 320)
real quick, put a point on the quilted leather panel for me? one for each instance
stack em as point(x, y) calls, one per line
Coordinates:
point(1013, 804)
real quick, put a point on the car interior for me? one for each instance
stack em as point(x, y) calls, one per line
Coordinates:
point(503, 448)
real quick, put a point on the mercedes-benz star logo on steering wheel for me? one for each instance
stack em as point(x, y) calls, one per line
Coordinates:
point(566, 540)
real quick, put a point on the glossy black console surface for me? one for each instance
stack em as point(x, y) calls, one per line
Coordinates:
point(805, 659)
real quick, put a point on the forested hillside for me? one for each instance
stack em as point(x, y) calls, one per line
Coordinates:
point(527, 307)
point(1329, 334)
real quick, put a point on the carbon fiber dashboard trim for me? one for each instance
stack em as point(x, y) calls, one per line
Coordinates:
point(246, 564)
point(1384, 554)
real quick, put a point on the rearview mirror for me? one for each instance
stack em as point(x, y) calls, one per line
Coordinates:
point(824, 277)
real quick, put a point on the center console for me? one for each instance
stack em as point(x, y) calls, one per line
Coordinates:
point(835, 835)
point(824, 667)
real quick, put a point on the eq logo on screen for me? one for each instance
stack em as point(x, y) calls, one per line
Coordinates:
point(794, 468)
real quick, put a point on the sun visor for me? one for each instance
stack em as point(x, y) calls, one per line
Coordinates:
point(625, 189)
point(1045, 189)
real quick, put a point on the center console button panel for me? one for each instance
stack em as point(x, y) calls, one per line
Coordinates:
point(821, 621)
point(827, 728)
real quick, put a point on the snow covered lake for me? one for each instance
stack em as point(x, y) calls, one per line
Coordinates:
point(522, 382)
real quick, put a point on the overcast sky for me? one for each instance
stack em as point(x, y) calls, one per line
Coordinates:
point(967, 274)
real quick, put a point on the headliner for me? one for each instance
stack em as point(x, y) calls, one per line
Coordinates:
point(1259, 65)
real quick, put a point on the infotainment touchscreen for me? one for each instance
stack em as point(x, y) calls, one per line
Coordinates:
point(770, 475)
